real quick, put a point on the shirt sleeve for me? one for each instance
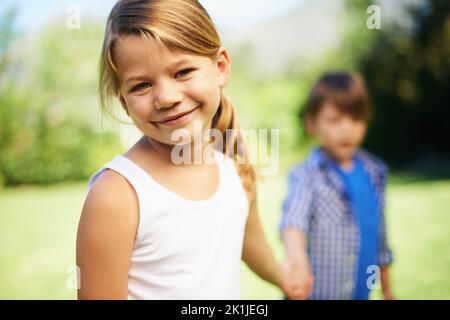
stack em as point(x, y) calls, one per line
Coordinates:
point(296, 210)
point(385, 256)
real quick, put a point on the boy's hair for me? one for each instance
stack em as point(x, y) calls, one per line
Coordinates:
point(345, 91)
point(180, 25)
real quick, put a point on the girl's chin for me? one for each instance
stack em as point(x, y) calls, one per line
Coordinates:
point(182, 138)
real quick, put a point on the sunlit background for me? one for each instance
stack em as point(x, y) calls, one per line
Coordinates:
point(53, 136)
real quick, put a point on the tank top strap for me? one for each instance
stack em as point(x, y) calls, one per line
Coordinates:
point(133, 174)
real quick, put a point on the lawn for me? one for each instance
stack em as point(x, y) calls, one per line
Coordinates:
point(38, 230)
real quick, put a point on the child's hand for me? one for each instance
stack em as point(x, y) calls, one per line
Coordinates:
point(385, 283)
point(298, 280)
point(388, 295)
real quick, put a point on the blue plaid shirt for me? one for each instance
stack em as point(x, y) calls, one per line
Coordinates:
point(318, 204)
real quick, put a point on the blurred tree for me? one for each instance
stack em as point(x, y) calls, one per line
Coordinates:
point(7, 34)
point(49, 113)
point(407, 72)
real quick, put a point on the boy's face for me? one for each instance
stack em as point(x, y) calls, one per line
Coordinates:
point(338, 133)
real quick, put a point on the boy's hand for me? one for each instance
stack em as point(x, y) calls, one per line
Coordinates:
point(298, 280)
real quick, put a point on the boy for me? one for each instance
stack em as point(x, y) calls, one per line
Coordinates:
point(333, 224)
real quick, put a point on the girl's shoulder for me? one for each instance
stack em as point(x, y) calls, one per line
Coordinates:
point(109, 183)
point(107, 213)
point(111, 196)
point(111, 193)
point(106, 232)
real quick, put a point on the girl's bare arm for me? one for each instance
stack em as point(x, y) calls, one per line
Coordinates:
point(105, 238)
point(295, 242)
point(386, 283)
point(256, 251)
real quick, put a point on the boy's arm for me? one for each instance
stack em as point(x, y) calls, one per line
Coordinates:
point(385, 255)
point(294, 225)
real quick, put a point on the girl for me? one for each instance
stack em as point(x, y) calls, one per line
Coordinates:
point(151, 228)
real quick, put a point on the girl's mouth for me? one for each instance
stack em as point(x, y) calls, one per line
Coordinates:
point(177, 119)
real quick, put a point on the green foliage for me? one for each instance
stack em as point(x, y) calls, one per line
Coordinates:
point(407, 72)
point(267, 100)
point(50, 118)
point(49, 112)
point(7, 34)
point(269, 103)
point(36, 148)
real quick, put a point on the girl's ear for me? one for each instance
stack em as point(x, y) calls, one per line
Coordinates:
point(223, 65)
point(123, 103)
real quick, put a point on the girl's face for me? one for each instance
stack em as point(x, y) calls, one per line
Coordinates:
point(164, 91)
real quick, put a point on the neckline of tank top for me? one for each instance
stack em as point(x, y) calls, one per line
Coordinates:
point(220, 163)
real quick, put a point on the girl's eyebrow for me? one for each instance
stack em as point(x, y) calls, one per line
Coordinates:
point(135, 78)
point(179, 62)
point(172, 66)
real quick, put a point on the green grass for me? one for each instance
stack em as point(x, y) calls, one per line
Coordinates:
point(38, 231)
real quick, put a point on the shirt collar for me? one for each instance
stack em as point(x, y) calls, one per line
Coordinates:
point(320, 158)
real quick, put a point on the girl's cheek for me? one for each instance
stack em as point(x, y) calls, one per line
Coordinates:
point(203, 85)
point(140, 107)
point(192, 89)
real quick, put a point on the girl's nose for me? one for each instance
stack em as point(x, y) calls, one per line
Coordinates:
point(167, 96)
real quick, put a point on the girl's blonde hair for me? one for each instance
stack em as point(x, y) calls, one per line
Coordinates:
point(182, 25)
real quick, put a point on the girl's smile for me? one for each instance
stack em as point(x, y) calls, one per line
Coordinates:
point(177, 119)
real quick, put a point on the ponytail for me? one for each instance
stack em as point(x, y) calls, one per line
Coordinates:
point(234, 145)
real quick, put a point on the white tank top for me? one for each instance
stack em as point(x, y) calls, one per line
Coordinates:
point(185, 249)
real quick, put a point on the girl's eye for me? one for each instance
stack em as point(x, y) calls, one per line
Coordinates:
point(183, 73)
point(141, 86)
